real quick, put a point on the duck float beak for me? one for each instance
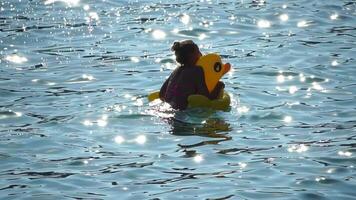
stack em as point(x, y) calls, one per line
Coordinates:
point(227, 67)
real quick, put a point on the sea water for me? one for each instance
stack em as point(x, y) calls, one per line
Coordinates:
point(75, 122)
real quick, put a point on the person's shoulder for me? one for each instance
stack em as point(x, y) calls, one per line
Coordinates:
point(195, 69)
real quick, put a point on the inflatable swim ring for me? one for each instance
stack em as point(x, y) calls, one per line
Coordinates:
point(200, 101)
point(213, 69)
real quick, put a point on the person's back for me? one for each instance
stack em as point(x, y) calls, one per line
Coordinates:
point(187, 79)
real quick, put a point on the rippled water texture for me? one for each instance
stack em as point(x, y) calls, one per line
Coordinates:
point(75, 122)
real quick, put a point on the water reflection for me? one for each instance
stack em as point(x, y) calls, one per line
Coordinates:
point(299, 148)
point(264, 24)
point(86, 7)
point(301, 77)
point(141, 139)
point(324, 122)
point(206, 23)
point(92, 16)
point(242, 165)
point(88, 77)
point(87, 123)
point(345, 153)
point(10, 113)
point(334, 16)
point(293, 89)
point(303, 24)
point(16, 59)
point(102, 122)
point(119, 139)
point(211, 127)
point(198, 158)
point(329, 171)
point(334, 63)
point(135, 59)
point(185, 19)
point(318, 179)
point(158, 34)
point(284, 17)
point(288, 119)
point(243, 109)
point(202, 36)
point(280, 78)
point(68, 2)
point(317, 86)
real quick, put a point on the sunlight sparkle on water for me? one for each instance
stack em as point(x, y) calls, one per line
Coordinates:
point(318, 179)
point(263, 23)
point(345, 153)
point(287, 119)
point(206, 23)
point(175, 30)
point(68, 2)
point(135, 59)
point(280, 78)
point(299, 148)
point(329, 171)
point(158, 34)
point(92, 16)
point(301, 77)
point(87, 123)
point(102, 122)
point(284, 17)
point(232, 17)
point(302, 24)
point(334, 16)
point(293, 89)
point(119, 139)
point(104, 117)
point(86, 7)
point(334, 63)
point(202, 36)
point(242, 165)
point(16, 59)
point(50, 83)
point(317, 86)
point(243, 109)
point(185, 19)
point(88, 77)
point(141, 139)
point(198, 158)
point(138, 102)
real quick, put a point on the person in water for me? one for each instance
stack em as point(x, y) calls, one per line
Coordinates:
point(187, 78)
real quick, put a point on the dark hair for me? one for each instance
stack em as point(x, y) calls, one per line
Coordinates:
point(183, 50)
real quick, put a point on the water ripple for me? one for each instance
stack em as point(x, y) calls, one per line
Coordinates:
point(75, 122)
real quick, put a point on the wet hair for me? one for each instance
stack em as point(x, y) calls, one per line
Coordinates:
point(184, 50)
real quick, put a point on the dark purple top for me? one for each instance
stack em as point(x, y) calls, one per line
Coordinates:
point(185, 81)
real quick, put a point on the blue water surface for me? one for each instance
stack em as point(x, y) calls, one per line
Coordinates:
point(75, 122)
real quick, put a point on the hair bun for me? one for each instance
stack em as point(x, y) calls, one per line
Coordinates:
point(175, 46)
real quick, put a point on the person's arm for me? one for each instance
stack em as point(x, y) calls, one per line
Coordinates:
point(162, 91)
point(203, 90)
point(216, 93)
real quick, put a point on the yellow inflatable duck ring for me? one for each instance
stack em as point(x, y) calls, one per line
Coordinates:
point(213, 69)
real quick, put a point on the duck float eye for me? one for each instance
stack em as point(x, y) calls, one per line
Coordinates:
point(217, 67)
